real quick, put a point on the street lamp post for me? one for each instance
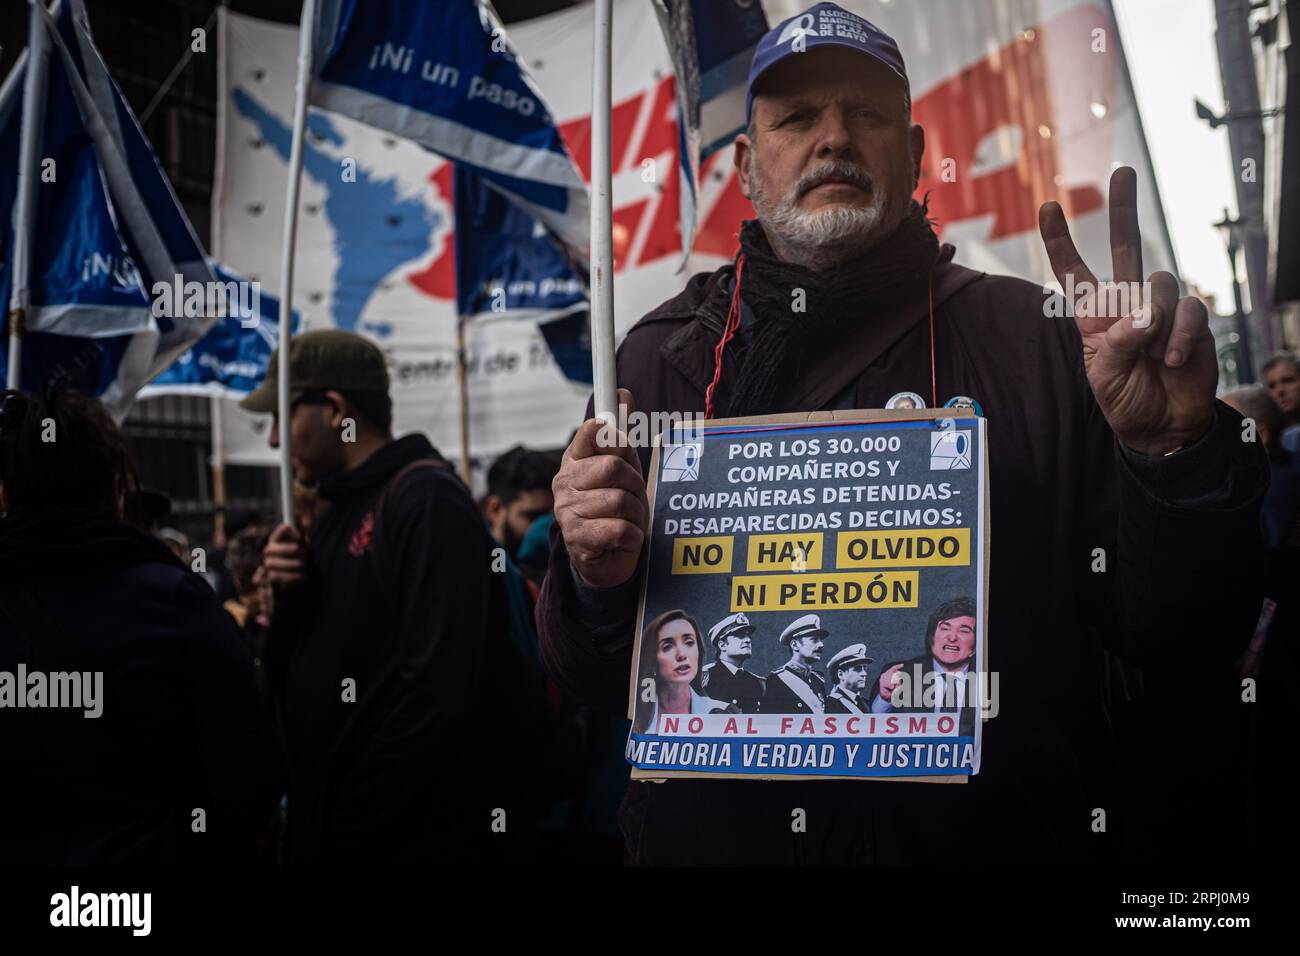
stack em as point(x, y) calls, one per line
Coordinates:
point(1227, 227)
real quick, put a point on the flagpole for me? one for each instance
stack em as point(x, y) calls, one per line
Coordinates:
point(29, 147)
point(604, 373)
point(306, 36)
point(218, 472)
point(462, 376)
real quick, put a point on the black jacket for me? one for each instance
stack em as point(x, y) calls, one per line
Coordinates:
point(403, 607)
point(182, 726)
point(1181, 587)
point(916, 669)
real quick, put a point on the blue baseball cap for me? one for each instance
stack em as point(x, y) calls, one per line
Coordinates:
point(822, 25)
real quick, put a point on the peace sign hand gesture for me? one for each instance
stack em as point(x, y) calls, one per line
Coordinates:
point(1148, 354)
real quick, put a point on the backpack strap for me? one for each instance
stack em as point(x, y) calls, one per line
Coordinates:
point(523, 630)
point(378, 546)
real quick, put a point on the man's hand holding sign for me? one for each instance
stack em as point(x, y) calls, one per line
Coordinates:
point(1153, 369)
point(600, 502)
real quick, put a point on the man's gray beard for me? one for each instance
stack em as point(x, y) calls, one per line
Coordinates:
point(818, 239)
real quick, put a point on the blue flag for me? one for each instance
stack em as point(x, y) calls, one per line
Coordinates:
point(107, 229)
point(444, 75)
point(232, 358)
point(507, 263)
point(568, 336)
point(711, 43)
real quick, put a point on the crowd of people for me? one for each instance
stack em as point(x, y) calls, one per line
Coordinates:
point(405, 674)
point(362, 683)
point(367, 683)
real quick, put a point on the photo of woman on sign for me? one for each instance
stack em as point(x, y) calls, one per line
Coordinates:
point(670, 660)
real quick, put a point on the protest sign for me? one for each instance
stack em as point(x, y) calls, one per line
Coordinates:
point(813, 603)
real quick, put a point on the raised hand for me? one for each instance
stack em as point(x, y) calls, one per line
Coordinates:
point(1149, 354)
point(889, 679)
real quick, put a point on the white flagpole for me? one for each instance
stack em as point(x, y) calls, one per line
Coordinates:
point(462, 381)
point(306, 37)
point(604, 373)
point(30, 142)
point(218, 471)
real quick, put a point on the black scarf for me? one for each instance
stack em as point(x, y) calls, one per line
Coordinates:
point(781, 340)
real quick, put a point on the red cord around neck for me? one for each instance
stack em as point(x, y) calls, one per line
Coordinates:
point(728, 333)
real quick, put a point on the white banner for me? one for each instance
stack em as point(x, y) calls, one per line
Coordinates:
point(375, 254)
point(1022, 100)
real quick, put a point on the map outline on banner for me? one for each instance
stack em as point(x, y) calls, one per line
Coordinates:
point(942, 422)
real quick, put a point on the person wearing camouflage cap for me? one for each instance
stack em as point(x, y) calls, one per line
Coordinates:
point(384, 620)
point(335, 377)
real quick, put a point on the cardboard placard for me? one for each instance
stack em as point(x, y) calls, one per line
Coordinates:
point(834, 529)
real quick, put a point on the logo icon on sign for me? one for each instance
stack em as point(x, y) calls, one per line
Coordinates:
point(950, 449)
point(682, 463)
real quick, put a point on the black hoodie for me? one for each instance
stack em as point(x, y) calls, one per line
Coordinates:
point(381, 661)
point(181, 728)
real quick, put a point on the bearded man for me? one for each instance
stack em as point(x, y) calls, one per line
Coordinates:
point(1124, 505)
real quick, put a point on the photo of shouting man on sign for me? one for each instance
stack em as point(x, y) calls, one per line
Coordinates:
point(1123, 503)
point(941, 679)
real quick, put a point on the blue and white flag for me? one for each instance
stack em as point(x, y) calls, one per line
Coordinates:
point(507, 264)
point(711, 43)
point(107, 229)
point(444, 75)
point(231, 360)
